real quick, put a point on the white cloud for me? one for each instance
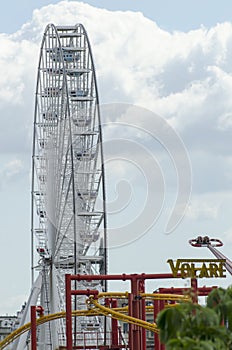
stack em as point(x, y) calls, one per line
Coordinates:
point(200, 210)
point(185, 77)
point(13, 168)
point(178, 75)
point(17, 62)
point(11, 172)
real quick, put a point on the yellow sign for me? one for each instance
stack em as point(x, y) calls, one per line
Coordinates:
point(198, 268)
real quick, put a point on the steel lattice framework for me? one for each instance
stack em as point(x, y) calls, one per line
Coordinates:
point(68, 191)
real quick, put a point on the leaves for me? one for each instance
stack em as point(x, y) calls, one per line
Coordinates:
point(190, 344)
point(195, 327)
point(220, 300)
point(169, 321)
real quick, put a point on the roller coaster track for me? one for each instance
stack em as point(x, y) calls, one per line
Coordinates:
point(96, 309)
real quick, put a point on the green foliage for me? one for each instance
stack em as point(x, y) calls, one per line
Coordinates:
point(220, 300)
point(192, 344)
point(195, 327)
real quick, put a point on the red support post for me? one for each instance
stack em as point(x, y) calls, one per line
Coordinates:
point(107, 304)
point(33, 328)
point(136, 331)
point(156, 336)
point(131, 326)
point(40, 311)
point(142, 312)
point(161, 307)
point(194, 290)
point(114, 326)
point(68, 312)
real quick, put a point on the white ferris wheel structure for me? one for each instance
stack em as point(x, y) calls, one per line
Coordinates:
point(68, 216)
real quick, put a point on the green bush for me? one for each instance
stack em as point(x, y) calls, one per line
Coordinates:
point(195, 327)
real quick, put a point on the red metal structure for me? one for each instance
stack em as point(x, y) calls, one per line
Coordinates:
point(136, 306)
point(137, 300)
point(34, 311)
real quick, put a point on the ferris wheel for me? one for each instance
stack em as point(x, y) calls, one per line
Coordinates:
point(68, 192)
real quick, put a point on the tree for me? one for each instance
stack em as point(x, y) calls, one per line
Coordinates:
point(195, 327)
point(220, 300)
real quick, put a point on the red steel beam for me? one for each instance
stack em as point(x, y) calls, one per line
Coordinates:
point(122, 277)
point(68, 312)
point(34, 310)
point(201, 291)
point(136, 306)
point(114, 325)
point(33, 328)
point(155, 313)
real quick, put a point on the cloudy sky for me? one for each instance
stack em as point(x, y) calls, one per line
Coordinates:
point(172, 64)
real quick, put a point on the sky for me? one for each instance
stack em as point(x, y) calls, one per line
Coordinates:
point(171, 62)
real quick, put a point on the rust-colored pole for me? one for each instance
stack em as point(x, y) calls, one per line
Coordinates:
point(131, 326)
point(136, 331)
point(122, 277)
point(33, 328)
point(142, 303)
point(161, 307)
point(114, 325)
point(156, 336)
point(194, 290)
point(68, 312)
